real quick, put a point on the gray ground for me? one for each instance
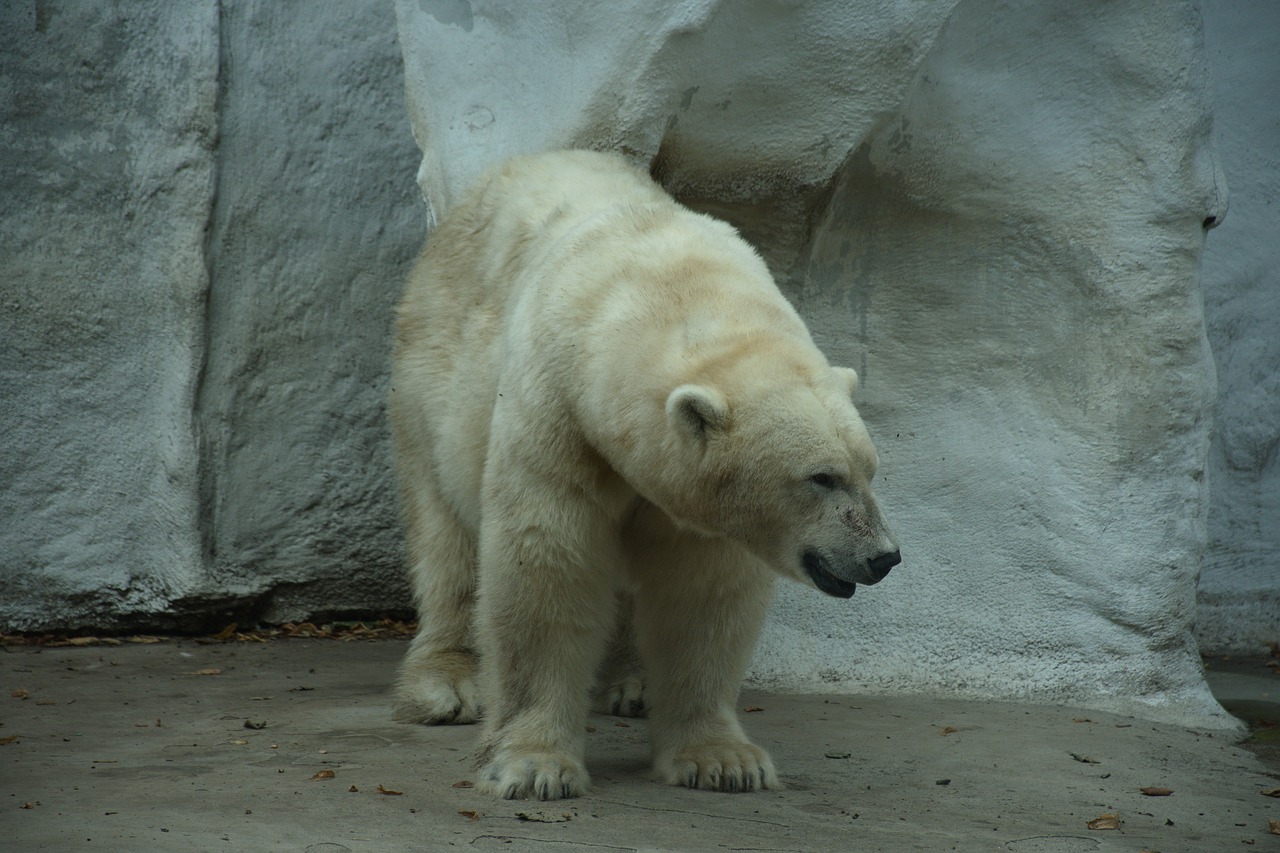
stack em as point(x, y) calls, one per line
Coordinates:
point(146, 747)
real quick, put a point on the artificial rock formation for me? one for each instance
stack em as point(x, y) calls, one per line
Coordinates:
point(1238, 606)
point(996, 215)
point(206, 209)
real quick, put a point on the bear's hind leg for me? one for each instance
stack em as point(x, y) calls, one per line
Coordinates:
point(620, 684)
point(437, 678)
point(698, 612)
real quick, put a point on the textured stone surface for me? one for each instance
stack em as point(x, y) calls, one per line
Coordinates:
point(315, 223)
point(207, 209)
point(996, 215)
point(1011, 262)
point(108, 131)
point(1239, 603)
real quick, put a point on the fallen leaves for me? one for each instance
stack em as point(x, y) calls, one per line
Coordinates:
point(226, 633)
point(1270, 792)
point(323, 775)
point(389, 793)
point(838, 754)
point(8, 739)
point(20, 693)
point(469, 814)
point(1156, 792)
point(948, 730)
point(63, 641)
point(383, 629)
point(1273, 826)
point(463, 784)
point(752, 709)
point(1104, 821)
point(208, 670)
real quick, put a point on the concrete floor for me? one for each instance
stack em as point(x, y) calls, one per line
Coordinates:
point(182, 746)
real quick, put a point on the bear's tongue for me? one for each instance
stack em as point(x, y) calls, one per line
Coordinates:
point(824, 580)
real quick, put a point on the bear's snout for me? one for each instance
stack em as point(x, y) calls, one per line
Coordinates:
point(880, 566)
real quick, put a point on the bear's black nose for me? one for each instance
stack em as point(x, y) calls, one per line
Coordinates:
point(881, 565)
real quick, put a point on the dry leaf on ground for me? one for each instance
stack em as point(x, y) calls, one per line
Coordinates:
point(389, 792)
point(8, 739)
point(1107, 820)
point(20, 693)
point(1273, 826)
point(323, 774)
point(949, 730)
point(208, 670)
point(1156, 792)
point(464, 784)
point(752, 709)
point(468, 814)
point(1270, 792)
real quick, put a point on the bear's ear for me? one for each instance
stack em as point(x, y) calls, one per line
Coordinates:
point(849, 376)
point(698, 410)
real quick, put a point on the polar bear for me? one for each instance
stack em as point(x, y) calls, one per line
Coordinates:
point(595, 392)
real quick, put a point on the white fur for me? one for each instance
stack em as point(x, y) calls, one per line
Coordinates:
point(595, 392)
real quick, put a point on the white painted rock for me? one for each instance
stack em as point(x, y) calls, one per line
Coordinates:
point(996, 214)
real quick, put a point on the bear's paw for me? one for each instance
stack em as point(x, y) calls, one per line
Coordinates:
point(435, 699)
point(543, 775)
point(622, 698)
point(728, 766)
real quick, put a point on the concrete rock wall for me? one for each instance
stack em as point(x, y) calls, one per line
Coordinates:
point(1239, 602)
point(207, 208)
point(108, 138)
point(310, 238)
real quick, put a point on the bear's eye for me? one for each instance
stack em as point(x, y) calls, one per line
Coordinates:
point(825, 481)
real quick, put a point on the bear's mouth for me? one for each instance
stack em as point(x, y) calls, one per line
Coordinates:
point(822, 577)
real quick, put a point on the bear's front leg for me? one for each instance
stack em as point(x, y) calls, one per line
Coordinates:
point(698, 613)
point(546, 606)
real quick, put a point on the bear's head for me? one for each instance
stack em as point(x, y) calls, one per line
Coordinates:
point(784, 466)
